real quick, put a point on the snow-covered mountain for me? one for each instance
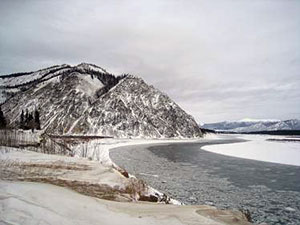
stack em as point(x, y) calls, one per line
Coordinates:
point(86, 99)
point(254, 125)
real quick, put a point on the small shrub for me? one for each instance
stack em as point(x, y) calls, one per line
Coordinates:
point(247, 214)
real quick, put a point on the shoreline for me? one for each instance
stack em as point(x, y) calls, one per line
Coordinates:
point(195, 176)
point(153, 191)
point(137, 142)
point(27, 203)
point(79, 176)
point(98, 150)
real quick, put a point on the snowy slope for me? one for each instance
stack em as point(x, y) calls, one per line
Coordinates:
point(254, 125)
point(23, 78)
point(10, 84)
point(85, 99)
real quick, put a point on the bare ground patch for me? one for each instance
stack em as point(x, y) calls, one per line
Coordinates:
point(53, 173)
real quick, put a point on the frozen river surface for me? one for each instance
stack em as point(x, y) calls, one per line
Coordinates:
point(270, 191)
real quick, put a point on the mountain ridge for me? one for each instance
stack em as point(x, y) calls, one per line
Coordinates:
point(86, 99)
point(254, 125)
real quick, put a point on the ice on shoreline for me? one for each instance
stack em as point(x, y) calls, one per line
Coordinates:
point(98, 150)
point(258, 148)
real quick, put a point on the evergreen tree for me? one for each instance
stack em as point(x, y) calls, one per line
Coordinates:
point(22, 120)
point(37, 119)
point(30, 122)
point(2, 120)
point(26, 117)
point(30, 117)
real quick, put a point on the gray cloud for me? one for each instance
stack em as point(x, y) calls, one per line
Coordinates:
point(219, 60)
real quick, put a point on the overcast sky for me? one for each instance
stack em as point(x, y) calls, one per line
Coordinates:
point(219, 60)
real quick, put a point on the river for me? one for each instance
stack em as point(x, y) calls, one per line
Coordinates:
point(270, 191)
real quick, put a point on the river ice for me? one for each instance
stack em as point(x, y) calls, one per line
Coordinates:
point(270, 191)
point(263, 148)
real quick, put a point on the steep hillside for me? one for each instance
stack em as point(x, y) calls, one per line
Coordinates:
point(86, 99)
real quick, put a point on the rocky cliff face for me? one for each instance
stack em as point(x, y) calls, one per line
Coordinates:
point(86, 99)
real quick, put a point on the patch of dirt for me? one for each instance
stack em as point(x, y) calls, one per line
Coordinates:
point(52, 173)
point(69, 166)
point(102, 191)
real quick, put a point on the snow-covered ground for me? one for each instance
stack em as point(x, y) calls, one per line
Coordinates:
point(39, 203)
point(99, 149)
point(59, 166)
point(259, 148)
point(35, 203)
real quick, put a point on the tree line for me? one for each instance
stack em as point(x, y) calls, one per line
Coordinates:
point(28, 120)
point(3, 122)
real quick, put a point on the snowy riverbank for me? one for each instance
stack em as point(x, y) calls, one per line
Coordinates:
point(98, 150)
point(35, 203)
point(23, 202)
point(262, 148)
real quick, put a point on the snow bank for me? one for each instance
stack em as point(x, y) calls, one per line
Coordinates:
point(258, 148)
point(99, 150)
point(36, 203)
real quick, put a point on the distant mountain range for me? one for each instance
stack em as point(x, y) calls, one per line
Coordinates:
point(248, 125)
point(86, 99)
